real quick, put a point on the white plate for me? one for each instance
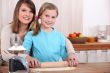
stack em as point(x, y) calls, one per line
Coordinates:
point(15, 48)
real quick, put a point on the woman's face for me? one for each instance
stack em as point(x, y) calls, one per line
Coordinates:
point(25, 14)
point(48, 18)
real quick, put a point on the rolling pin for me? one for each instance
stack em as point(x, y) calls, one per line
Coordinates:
point(54, 64)
point(53, 67)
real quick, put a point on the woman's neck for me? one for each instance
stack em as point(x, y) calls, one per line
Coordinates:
point(23, 28)
point(22, 31)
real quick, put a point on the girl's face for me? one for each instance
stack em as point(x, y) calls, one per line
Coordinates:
point(48, 18)
point(25, 14)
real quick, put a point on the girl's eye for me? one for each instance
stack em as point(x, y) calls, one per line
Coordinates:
point(53, 17)
point(47, 15)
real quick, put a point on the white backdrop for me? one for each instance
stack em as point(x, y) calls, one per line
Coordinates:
point(0, 20)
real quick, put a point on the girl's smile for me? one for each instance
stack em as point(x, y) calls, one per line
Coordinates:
point(48, 18)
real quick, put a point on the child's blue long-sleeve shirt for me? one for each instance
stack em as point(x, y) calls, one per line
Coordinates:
point(46, 46)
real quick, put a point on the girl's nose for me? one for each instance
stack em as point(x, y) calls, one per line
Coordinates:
point(49, 19)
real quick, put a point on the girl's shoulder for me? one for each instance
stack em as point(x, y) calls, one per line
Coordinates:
point(29, 33)
point(58, 32)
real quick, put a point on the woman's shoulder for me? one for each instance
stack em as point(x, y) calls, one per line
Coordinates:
point(6, 28)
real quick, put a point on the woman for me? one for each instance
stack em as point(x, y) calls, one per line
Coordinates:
point(24, 15)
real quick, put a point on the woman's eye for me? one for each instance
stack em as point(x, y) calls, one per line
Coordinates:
point(23, 10)
point(30, 11)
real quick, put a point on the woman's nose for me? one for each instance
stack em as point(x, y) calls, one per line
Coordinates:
point(28, 13)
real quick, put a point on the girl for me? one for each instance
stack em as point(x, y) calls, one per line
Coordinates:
point(48, 44)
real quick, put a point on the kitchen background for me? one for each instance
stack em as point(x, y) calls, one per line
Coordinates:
point(83, 16)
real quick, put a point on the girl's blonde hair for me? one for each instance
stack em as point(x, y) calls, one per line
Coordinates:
point(15, 23)
point(44, 7)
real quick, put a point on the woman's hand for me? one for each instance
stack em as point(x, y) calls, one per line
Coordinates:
point(72, 60)
point(33, 63)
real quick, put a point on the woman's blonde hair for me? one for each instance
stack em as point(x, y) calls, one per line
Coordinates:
point(44, 7)
point(15, 23)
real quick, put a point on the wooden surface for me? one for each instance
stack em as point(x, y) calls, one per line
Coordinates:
point(81, 68)
point(92, 46)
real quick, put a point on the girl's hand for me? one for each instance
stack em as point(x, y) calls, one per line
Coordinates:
point(72, 60)
point(33, 63)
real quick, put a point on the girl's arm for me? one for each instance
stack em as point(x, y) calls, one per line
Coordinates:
point(27, 44)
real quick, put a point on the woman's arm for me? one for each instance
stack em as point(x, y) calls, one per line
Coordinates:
point(69, 47)
point(5, 43)
point(72, 59)
point(6, 36)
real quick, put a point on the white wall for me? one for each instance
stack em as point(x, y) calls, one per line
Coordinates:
point(77, 9)
point(109, 10)
point(0, 14)
point(0, 22)
point(7, 11)
point(95, 12)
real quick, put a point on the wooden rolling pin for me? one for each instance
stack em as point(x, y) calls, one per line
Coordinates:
point(54, 64)
point(53, 67)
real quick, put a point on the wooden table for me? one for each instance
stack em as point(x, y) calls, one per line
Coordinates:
point(92, 46)
point(81, 68)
